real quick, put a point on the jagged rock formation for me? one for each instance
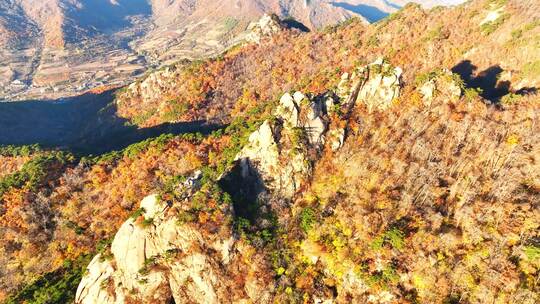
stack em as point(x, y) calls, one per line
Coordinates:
point(268, 25)
point(442, 83)
point(376, 85)
point(278, 150)
point(156, 257)
point(152, 86)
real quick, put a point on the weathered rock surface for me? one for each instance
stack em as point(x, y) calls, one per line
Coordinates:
point(267, 26)
point(278, 150)
point(442, 83)
point(156, 259)
point(377, 85)
point(90, 288)
point(151, 87)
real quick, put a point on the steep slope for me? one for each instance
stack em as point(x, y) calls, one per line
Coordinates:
point(65, 22)
point(13, 24)
point(398, 222)
point(427, 3)
point(396, 181)
point(208, 27)
point(17, 36)
point(49, 16)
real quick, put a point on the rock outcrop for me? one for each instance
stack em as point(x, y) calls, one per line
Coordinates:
point(156, 257)
point(154, 83)
point(443, 83)
point(279, 150)
point(153, 86)
point(268, 25)
point(376, 85)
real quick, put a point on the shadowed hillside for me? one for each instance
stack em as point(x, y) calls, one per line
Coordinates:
point(85, 124)
point(371, 13)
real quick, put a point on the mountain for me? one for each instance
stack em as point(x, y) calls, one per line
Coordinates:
point(395, 162)
point(72, 46)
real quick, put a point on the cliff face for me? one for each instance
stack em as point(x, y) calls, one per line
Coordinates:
point(156, 257)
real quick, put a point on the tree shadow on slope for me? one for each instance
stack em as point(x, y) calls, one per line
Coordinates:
point(295, 24)
point(253, 216)
point(245, 186)
point(488, 81)
point(87, 124)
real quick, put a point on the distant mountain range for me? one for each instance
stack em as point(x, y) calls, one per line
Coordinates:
point(53, 48)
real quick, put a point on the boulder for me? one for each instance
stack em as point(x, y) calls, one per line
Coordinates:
point(428, 91)
point(288, 110)
point(337, 138)
point(441, 83)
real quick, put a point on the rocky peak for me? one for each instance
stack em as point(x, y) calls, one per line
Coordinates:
point(278, 151)
point(156, 257)
point(268, 25)
point(376, 85)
